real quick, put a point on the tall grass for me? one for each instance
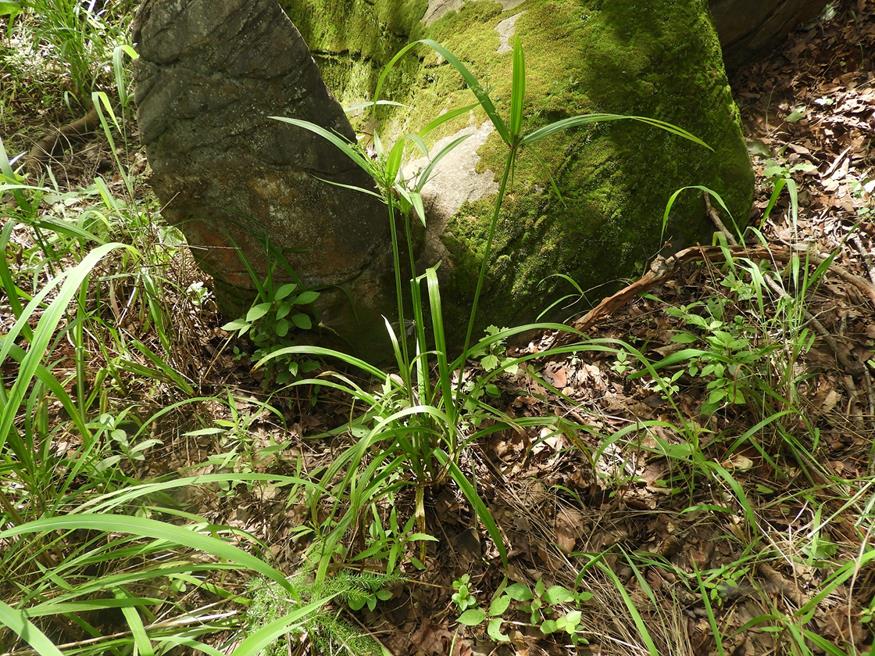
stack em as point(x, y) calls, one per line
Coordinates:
point(81, 37)
point(415, 426)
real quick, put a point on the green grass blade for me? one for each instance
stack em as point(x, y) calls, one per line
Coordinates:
point(842, 574)
point(735, 486)
point(191, 643)
point(46, 377)
point(6, 282)
point(443, 152)
point(256, 641)
point(7, 174)
point(587, 119)
point(150, 528)
point(709, 612)
point(393, 160)
point(161, 365)
point(445, 372)
point(632, 608)
point(43, 333)
point(355, 188)
point(713, 194)
point(323, 352)
point(116, 498)
point(22, 321)
point(476, 502)
point(138, 630)
point(339, 142)
point(472, 82)
point(507, 333)
point(387, 69)
point(17, 622)
point(357, 108)
point(53, 608)
point(518, 90)
point(118, 69)
point(434, 124)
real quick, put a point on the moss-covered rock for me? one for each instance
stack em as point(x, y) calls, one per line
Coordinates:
point(659, 59)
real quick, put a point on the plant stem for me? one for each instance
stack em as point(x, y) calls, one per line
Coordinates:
point(508, 167)
point(399, 297)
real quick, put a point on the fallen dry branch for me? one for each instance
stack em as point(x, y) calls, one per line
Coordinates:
point(43, 149)
point(665, 269)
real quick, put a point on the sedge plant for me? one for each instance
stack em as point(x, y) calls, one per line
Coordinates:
point(413, 426)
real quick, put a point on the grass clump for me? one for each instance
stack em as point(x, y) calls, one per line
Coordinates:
point(79, 38)
point(418, 428)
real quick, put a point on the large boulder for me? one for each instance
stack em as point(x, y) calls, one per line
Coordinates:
point(210, 77)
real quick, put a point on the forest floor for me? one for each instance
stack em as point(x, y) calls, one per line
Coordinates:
point(699, 515)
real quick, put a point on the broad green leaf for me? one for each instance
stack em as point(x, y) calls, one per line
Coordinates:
point(549, 626)
point(499, 605)
point(472, 617)
point(493, 630)
point(421, 537)
point(518, 592)
point(796, 115)
point(571, 619)
point(302, 321)
point(305, 298)
point(256, 312)
point(284, 290)
point(283, 310)
point(556, 594)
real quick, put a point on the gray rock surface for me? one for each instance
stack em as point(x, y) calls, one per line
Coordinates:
point(210, 75)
